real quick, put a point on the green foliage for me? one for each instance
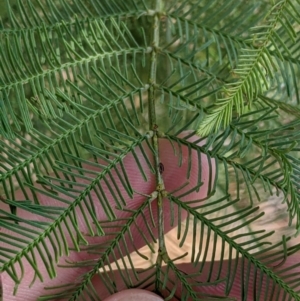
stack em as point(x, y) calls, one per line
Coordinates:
point(85, 84)
point(259, 58)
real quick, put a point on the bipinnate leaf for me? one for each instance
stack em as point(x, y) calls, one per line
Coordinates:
point(36, 263)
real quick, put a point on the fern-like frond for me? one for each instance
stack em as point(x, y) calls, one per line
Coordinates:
point(255, 67)
point(71, 183)
point(47, 56)
point(99, 106)
point(273, 164)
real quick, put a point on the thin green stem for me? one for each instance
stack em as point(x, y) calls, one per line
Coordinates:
point(162, 253)
point(153, 66)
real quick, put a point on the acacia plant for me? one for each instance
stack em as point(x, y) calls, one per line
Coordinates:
point(121, 119)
